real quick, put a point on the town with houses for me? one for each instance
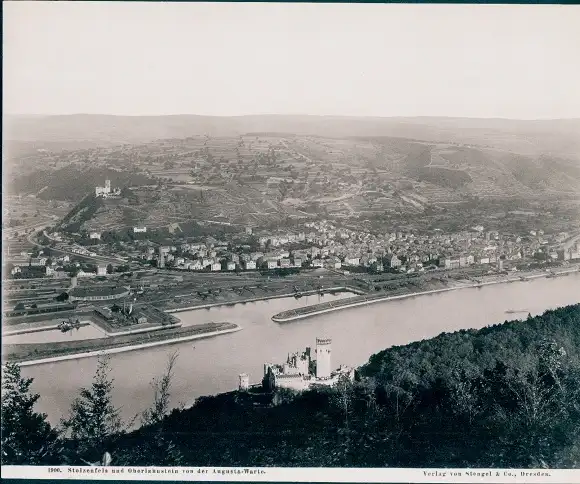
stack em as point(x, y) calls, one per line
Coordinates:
point(55, 272)
point(326, 246)
point(318, 244)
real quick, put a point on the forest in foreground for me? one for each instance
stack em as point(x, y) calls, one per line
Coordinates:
point(504, 396)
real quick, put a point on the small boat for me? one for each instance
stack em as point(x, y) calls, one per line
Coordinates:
point(516, 311)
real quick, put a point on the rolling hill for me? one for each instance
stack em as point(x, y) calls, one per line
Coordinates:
point(206, 168)
point(560, 136)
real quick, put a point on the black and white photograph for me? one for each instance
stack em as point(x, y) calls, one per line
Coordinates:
point(247, 239)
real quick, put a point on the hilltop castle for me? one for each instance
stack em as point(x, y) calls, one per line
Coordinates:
point(106, 191)
point(301, 371)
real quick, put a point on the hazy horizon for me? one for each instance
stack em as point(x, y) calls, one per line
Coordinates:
point(348, 60)
point(426, 116)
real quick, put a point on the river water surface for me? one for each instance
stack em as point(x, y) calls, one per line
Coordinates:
point(212, 365)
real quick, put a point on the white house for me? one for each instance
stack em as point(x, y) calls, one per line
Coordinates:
point(82, 273)
point(352, 260)
point(40, 261)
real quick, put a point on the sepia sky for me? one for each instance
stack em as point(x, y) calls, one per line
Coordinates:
point(342, 59)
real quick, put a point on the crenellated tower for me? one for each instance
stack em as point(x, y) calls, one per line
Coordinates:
point(323, 364)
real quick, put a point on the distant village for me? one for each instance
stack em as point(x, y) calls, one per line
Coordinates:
point(318, 244)
point(345, 249)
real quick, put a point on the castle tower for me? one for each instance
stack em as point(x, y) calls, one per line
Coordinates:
point(244, 382)
point(323, 365)
point(107, 186)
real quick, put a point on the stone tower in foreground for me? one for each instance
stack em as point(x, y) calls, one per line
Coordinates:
point(323, 365)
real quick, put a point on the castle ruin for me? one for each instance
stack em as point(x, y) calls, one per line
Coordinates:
point(301, 372)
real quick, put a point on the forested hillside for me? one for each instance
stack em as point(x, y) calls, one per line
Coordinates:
point(504, 396)
point(507, 395)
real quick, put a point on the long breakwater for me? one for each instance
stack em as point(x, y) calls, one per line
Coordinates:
point(265, 298)
point(123, 349)
point(356, 301)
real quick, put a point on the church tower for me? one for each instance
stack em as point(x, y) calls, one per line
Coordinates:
point(323, 366)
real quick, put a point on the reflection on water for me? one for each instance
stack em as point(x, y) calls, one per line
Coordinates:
point(212, 365)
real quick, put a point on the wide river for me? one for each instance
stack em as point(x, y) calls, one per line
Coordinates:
point(212, 365)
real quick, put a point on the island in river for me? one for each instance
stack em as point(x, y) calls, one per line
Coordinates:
point(47, 348)
point(37, 353)
point(215, 363)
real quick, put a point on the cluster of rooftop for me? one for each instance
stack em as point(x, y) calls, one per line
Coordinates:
point(340, 248)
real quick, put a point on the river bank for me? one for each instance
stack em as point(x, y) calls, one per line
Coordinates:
point(88, 319)
point(37, 327)
point(266, 298)
point(142, 337)
point(38, 353)
point(215, 364)
point(356, 301)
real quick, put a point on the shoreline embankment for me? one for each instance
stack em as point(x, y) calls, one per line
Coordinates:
point(126, 348)
point(39, 329)
point(357, 301)
point(301, 313)
point(90, 322)
point(137, 346)
point(265, 298)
